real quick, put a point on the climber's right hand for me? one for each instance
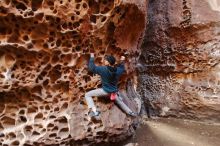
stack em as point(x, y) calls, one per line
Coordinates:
point(92, 55)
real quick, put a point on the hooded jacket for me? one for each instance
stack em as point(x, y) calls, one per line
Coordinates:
point(109, 75)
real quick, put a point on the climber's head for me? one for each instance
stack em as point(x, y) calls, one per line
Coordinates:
point(109, 60)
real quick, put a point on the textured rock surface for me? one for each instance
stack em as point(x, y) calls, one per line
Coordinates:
point(179, 71)
point(44, 50)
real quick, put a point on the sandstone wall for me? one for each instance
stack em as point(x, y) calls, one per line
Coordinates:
point(179, 64)
point(44, 50)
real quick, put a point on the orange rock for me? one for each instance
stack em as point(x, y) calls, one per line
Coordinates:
point(44, 51)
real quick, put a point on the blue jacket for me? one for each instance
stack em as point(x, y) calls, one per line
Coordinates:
point(109, 75)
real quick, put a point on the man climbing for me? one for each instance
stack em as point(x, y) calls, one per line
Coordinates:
point(109, 77)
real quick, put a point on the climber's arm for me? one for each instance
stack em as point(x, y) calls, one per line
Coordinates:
point(121, 66)
point(92, 67)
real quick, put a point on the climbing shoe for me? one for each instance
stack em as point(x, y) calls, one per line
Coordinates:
point(132, 114)
point(95, 116)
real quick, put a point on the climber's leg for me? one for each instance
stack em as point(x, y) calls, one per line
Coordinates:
point(123, 106)
point(88, 97)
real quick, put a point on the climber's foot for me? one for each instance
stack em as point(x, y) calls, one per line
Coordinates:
point(95, 116)
point(133, 114)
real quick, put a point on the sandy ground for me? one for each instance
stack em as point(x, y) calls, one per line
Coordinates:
point(175, 132)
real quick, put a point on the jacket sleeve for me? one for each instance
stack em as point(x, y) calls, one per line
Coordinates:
point(93, 68)
point(120, 69)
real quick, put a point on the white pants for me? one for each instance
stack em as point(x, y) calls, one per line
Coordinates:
point(100, 92)
point(97, 92)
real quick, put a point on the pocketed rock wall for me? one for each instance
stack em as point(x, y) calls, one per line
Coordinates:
point(44, 51)
point(179, 64)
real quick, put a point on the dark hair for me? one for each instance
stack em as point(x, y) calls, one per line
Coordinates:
point(110, 59)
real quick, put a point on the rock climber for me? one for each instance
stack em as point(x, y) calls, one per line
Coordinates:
point(110, 74)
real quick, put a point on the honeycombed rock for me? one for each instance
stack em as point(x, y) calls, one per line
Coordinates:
point(44, 51)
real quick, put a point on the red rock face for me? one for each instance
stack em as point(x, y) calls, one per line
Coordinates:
point(180, 59)
point(44, 50)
